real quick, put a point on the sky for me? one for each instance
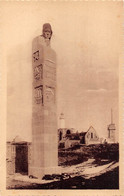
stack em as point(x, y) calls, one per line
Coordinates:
point(86, 38)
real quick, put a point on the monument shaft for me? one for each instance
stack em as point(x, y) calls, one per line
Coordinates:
point(44, 158)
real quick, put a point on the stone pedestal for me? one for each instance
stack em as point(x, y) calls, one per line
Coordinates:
point(44, 157)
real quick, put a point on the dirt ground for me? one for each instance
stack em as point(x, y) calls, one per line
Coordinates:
point(96, 159)
point(78, 182)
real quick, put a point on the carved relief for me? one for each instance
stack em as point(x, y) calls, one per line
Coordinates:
point(50, 94)
point(50, 63)
point(38, 94)
point(36, 56)
point(47, 31)
point(46, 35)
point(50, 75)
point(50, 71)
point(38, 72)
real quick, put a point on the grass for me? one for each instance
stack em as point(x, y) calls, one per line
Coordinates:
point(74, 156)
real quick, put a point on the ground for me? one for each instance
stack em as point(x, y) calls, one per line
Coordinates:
point(84, 167)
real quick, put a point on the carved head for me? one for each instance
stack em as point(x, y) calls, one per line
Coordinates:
point(47, 31)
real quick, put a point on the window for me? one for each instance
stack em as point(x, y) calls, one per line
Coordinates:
point(60, 135)
point(68, 132)
point(91, 135)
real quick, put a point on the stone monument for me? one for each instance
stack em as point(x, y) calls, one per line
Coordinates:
point(44, 157)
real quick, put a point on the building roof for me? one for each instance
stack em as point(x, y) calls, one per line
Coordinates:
point(111, 126)
point(83, 133)
point(18, 140)
point(91, 127)
point(65, 129)
point(61, 129)
point(73, 136)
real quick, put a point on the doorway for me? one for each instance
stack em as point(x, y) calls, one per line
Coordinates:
point(21, 159)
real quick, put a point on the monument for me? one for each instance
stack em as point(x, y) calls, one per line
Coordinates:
point(44, 156)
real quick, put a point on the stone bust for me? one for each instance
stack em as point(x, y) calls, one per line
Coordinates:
point(46, 34)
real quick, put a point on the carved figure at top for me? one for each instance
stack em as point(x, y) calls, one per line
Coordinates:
point(46, 34)
point(47, 31)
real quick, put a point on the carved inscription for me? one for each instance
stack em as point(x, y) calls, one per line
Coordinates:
point(36, 56)
point(38, 72)
point(50, 63)
point(50, 94)
point(38, 94)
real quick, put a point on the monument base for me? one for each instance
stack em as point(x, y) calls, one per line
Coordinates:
point(39, 172)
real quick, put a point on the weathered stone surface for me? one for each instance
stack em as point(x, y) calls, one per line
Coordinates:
point(44, 157)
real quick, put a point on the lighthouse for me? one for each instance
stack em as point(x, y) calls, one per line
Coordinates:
point(62, 121)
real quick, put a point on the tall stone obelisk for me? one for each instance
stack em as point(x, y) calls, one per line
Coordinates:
point(44, 157)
